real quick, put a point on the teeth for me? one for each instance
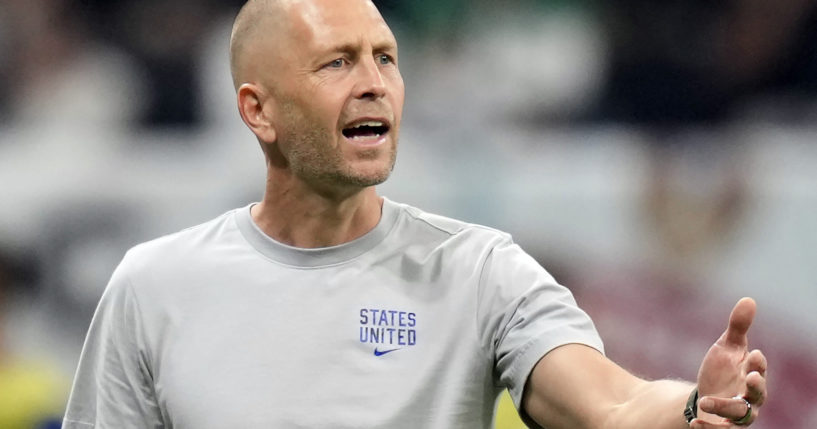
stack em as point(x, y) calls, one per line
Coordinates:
point(369, 124)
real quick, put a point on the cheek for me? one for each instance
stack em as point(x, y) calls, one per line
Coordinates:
point(327, 101)
point(399, 91)
point(317, 117)
point(327, 111)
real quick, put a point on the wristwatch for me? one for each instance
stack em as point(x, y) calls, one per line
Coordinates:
point(691, 410)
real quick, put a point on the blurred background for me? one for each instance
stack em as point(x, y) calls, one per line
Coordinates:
point(658, 158)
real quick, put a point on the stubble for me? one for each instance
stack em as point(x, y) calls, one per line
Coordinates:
point(314, 158)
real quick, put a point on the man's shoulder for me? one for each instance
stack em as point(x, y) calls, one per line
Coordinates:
point(451, 228)
point(186, 243)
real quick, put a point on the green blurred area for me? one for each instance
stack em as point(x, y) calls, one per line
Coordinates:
point(426, 20)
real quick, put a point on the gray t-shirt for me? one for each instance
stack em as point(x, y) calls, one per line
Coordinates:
point(420, 323)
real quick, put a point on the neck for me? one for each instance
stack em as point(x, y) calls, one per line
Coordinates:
point(298, 216)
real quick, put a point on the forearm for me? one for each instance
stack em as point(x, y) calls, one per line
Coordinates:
point(654, 404)
point(576, 387)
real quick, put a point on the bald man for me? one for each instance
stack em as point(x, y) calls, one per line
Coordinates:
point(326, 305)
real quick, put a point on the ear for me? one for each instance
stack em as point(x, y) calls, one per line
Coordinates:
point(251, 100)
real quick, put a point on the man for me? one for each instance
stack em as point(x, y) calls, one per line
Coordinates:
point(326, 305)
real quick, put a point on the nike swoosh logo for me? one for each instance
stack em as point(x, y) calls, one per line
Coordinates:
point(379, 353)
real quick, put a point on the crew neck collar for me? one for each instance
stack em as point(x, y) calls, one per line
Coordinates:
point(315, 257)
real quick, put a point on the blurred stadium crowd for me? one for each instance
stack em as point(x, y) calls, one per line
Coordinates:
point(657, 157)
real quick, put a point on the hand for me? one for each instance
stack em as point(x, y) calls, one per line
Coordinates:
point(729, 370)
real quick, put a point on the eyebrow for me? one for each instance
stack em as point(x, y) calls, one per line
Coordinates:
point(353, 47)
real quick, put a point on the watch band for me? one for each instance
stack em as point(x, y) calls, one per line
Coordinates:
point(691, 410)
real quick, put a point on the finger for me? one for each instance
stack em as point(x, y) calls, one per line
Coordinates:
point(755, 388)
point(756, 362)
point(739, 322)
point(700, 424)
point(729, 408)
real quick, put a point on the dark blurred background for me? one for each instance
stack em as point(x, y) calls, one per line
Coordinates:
point(657, 157)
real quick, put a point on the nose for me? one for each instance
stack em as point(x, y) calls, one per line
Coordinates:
point(370, 83)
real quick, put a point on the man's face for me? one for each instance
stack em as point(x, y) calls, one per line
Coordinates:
point(337, 94)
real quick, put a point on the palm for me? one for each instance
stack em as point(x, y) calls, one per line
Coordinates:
point(729, 370)
point(723, 371)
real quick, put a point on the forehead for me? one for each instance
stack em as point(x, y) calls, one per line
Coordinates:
point(329, 23)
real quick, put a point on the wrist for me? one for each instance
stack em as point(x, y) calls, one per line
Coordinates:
point(691, 409)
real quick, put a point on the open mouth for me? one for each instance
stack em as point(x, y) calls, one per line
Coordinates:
point(366, 130)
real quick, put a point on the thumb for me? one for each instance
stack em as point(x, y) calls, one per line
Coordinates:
point(739, 322)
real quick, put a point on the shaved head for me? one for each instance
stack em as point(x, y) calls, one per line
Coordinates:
point(262, 19)
point(255, 18)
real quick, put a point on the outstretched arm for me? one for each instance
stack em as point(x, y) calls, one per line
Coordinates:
point(575, 386)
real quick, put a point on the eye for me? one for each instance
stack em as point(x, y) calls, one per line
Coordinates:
point(335, 64)
point(385, 59)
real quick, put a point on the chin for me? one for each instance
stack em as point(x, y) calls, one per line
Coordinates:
point(372, 171)
point(370, 179)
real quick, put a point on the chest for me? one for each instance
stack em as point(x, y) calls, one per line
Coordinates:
point(353, 349)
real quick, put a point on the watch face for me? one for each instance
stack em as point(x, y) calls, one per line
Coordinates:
point(691, 411)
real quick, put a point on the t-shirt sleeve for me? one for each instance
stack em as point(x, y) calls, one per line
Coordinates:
point(113, 385)
point(523, 314)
